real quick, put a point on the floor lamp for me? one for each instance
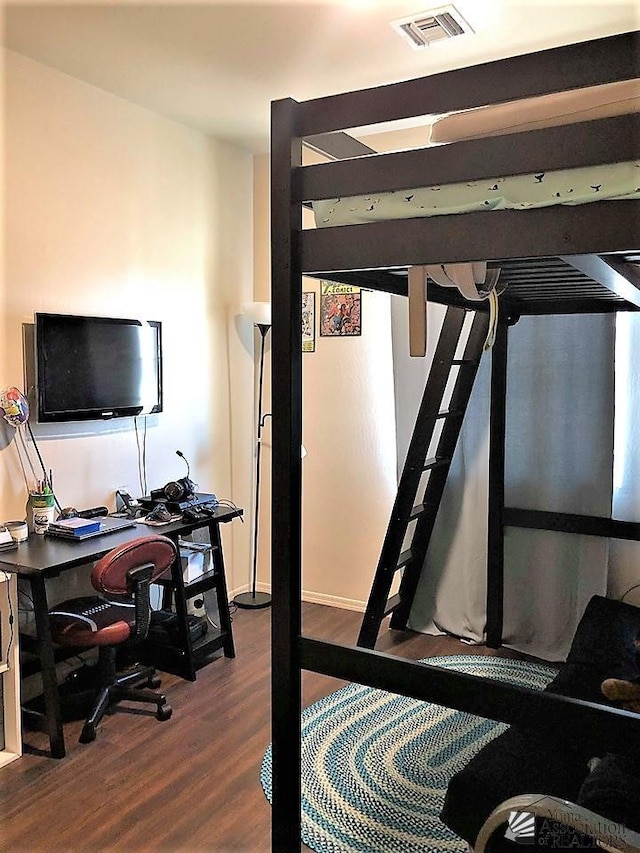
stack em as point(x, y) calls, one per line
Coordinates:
point(260, 315)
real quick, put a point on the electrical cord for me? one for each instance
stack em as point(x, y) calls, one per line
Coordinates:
point(26, 451)
point(144, 456)
point(42, 465)
point(140, 478)
point(21, 461)
point(208, 618)
point(47, 480)
point(631, 588)
point(11, 620)
point(228, 503)
point(29, 599)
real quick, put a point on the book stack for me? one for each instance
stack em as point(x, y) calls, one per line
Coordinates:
point(7, 542)
point(74, 528)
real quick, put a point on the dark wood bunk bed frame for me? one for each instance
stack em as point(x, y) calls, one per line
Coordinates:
point(594, 246)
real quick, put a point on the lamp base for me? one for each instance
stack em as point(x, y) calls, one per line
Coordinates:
point(250, 601)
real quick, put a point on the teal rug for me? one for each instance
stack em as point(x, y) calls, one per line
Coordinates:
point(375, 766)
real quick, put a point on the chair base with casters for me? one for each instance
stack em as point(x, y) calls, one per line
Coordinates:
point(117, 618)
point(127, 686)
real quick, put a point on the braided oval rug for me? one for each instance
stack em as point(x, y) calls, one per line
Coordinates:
point(375, 766)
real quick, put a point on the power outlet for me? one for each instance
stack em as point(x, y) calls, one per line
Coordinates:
point(195, 606)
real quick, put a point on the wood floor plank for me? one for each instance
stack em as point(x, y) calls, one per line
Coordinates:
point(187, 785)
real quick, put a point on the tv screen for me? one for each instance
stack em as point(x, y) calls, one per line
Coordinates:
point(94, 368)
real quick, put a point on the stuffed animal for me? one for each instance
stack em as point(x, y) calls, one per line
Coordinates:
point(625, 692)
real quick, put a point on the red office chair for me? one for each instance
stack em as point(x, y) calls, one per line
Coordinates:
point(120, 613)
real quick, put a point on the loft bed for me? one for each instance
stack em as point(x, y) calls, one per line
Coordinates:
point(553, 259)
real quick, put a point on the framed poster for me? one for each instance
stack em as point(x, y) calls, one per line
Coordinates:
point(340, 310)
point(308, 321)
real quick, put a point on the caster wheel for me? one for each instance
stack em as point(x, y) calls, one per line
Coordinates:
point(88, 734)
point(154, 682)
point(164, 712)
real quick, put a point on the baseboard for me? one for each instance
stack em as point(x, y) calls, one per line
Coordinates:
point(311, 598)
point(333, 601)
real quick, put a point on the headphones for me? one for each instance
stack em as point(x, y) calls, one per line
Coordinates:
point(175, 490)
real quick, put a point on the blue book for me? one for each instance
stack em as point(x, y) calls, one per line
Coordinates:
point(75, 526)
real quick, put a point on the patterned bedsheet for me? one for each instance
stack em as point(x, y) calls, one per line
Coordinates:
point(516, 192)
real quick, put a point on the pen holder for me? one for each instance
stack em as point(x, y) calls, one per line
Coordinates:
point(40, 512)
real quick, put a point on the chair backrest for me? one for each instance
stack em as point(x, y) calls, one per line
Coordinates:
point(111, 573)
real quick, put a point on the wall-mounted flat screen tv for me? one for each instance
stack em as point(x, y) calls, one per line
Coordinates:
point(95, 368)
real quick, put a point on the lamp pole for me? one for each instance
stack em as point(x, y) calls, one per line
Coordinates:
point(256, 600)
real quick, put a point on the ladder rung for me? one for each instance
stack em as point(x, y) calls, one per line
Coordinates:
point(404, 558)
point(436, 462)
point(452, 366)
point(391, 604)
point(417, 511)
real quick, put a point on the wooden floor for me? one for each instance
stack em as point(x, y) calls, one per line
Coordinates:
point(188, 784)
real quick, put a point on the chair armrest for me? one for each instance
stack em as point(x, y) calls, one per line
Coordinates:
point(611, 836)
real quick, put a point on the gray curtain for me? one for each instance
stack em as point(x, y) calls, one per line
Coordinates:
point(624, 556)
point(559, 457)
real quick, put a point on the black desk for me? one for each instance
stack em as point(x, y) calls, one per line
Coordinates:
point(42, 557)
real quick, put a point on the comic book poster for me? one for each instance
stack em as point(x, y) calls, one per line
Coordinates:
point(340, 310)
point(308, 321)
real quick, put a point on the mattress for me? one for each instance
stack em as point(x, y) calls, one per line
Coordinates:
point(515, 192)
point(569, 107)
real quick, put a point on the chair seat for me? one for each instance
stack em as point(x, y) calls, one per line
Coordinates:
point(92, 621)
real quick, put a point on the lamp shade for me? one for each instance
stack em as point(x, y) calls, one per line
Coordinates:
point(258, 312)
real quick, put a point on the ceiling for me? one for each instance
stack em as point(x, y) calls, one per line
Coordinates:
point(217, 66)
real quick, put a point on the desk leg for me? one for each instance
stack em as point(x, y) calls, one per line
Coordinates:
point(53, 714)
point(180, 603)
point(221, 590)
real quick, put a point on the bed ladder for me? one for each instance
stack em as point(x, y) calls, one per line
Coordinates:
point(404, 549)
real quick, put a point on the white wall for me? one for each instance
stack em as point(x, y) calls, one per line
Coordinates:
point(349, 473)
point(113, 210)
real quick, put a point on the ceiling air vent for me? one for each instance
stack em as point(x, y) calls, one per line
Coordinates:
point(424, 28)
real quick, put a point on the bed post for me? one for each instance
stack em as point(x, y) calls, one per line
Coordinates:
point(495, 532)
point(286, 627)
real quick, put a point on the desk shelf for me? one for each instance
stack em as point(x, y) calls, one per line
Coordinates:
point(29, 661)
point(185, 656)
point(201, 584)
point(177, 658)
